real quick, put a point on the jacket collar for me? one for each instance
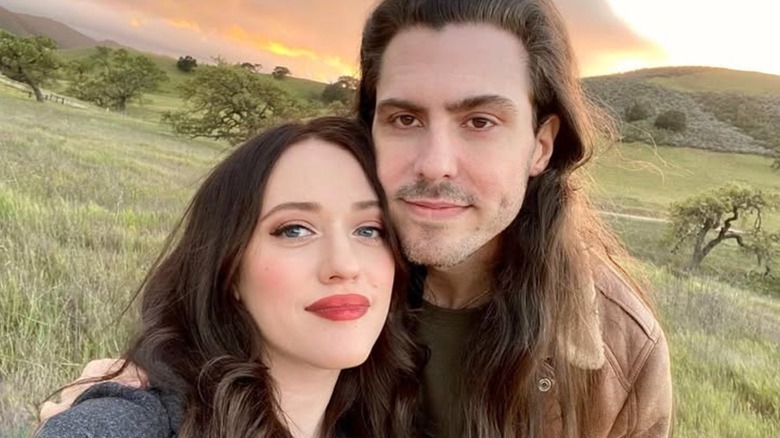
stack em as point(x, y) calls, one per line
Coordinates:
point(583, 345)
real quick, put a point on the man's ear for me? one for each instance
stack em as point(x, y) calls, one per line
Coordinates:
point(544, 144)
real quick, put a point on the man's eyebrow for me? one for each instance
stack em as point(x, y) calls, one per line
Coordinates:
point(302, 206)
point(400, 104)
point(492, 100)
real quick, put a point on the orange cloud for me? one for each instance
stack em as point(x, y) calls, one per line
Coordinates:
point(182, 24)
point(290, 52)
point(240, 35)
point(134, 22)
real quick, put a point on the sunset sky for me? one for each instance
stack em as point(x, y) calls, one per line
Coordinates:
point(318, 39)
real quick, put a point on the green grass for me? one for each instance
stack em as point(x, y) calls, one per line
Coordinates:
point(725, 80)
point(724, 350)
point(644, 180)
point(87, 196)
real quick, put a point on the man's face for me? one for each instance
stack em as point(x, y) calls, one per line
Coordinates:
point(455, 140)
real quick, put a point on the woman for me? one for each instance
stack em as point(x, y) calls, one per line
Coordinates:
point(260, 318)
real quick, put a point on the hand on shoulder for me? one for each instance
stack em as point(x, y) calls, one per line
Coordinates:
point(96, 371)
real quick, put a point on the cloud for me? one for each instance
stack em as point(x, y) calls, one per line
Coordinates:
point(603, 42)
point(300, 30)
point(314, 38)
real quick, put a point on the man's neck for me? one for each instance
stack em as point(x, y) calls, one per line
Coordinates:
point(464, 284)
point(304, 393)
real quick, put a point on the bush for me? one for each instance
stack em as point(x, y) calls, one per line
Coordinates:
point(639, 111)
point(672, 120)
point(186, 63)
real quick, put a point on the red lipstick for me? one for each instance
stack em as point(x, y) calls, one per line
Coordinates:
point(340, 307)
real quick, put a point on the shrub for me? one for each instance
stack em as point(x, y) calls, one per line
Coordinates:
point(672, 120)
point(639, 111)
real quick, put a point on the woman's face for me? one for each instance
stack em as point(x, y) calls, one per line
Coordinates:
point(317, 274)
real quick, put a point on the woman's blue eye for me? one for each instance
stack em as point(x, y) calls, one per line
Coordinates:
point(292, 231)
point(370, 232)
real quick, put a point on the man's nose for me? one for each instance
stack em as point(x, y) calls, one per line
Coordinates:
point(437, 154)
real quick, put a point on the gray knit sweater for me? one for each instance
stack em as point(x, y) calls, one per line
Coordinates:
point(113, 410)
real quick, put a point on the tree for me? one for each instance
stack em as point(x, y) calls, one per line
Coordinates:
point(639, 111)
point(186, 63)
point(281, 72)
point(230, 103)
point(693, 220)
point(342, 90)
point(32, 61)
point(112, 78)
point(672, 120)
point(254, 68)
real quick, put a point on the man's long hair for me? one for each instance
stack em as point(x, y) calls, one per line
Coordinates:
point(198, 342)
point(545, 271)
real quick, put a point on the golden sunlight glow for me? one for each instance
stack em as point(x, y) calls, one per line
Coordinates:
point(135, 22)
point(721, 33)
point(619, 62)
point(239, 35)
point(280, 49)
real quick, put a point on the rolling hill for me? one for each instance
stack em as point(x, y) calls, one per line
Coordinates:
point(300, 87)
point(726, 110)
point(65, 36)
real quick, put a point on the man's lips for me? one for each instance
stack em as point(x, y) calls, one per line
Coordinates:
point(435, 209)
point(340, 307)
point(435, 205)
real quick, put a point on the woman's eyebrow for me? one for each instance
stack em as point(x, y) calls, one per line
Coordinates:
point(365, 205)
point(301, 206)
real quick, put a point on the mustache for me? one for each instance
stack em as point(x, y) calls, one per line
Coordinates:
point(444, 190)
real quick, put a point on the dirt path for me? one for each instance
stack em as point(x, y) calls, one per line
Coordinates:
point(634, 217)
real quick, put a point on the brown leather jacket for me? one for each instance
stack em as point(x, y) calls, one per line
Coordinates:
point(627, 350)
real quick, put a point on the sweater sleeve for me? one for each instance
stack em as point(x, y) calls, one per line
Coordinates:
point(111, 410)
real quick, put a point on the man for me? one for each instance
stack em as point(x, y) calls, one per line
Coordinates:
point(533, 328)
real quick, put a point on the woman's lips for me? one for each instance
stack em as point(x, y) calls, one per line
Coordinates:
point(340, 307)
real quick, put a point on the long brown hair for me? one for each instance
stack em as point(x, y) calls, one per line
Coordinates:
point(550, 254)
point(198, 343)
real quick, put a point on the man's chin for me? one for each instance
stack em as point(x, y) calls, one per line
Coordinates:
point(434, 255)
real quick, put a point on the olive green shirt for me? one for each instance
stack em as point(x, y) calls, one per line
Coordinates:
point(445, 332)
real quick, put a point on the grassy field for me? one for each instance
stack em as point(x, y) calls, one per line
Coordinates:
point(85, 201)
point(715, 79)
point(644, 179)
point(86, 198)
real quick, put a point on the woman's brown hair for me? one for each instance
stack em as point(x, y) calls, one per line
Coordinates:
point(199, 344)
point(550, 254)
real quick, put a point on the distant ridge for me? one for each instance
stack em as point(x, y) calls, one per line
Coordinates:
point(65, 36)
point(727, 110)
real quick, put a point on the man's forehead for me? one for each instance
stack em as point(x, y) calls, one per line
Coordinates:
point(454, 63)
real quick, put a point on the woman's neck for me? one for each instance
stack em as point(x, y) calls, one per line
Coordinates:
point(304, 393)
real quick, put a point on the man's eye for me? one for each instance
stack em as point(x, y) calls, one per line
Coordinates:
point(292, 231)
point(370, 232)
point(406, 120)
point(480, 123)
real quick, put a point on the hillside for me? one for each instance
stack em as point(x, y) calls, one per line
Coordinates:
point(299, 87)
point(726, 110)
point(65, 36)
